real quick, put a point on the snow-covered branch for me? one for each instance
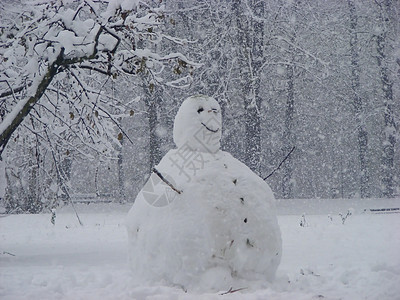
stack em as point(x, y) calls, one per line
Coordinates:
point(47, 41)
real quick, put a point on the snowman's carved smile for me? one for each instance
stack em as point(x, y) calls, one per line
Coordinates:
point(209, 129)
point(214, 110)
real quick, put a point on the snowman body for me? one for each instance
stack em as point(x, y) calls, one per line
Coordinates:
point(220, 229)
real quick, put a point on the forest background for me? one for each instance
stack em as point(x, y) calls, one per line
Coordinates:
point(319, 77)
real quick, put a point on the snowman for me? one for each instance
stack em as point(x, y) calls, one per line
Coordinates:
point(204, 220)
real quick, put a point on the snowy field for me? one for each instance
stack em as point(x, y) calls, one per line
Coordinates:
point(324, 259)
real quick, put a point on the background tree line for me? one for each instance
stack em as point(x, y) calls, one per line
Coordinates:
point(320, 76)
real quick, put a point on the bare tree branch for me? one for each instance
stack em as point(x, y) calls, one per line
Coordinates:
point(166, 181)
point(27, 107)
point(60, 178)
point(15, 120)
point(13, 91)
point(280, 165)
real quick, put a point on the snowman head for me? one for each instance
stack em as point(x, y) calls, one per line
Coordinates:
point(198, 124)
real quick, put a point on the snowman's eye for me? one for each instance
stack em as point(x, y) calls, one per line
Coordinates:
point(200, 110)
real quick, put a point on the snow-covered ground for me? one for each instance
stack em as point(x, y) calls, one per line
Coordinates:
point(324, 259)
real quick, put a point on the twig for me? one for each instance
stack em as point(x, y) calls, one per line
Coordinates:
point(115, 122)
point(11, 92)
point(277, 168)
point(344, 217)
point(61, 178)
point(166, 181)
point(231, 291)
point(92, 68)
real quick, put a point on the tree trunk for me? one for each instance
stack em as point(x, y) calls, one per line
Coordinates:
point(65, 167)
point(288, 136)
point(250, 53)
point(33, 205)
point(253, 124)
point(362, 135)
point(120, 170)
point(152, 101)
point(389, 130)
point(289, 139)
